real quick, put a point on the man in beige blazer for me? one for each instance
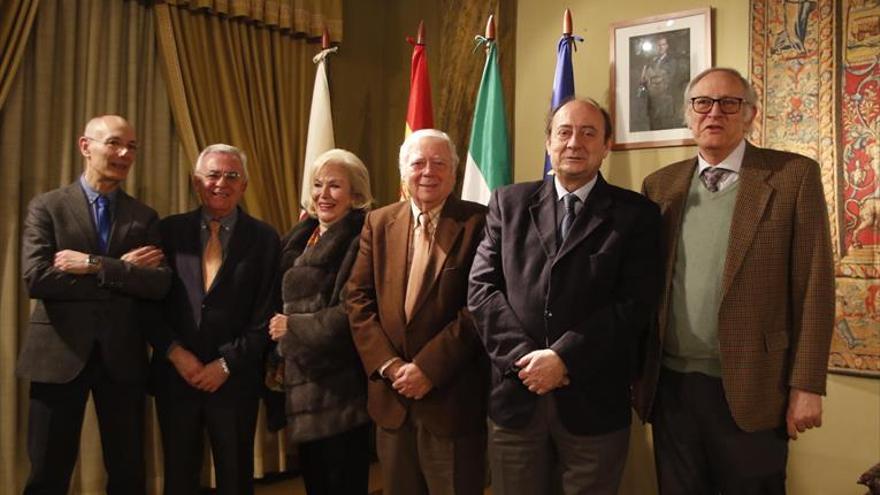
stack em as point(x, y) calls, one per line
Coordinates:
point(426, 368)
point(738, 361)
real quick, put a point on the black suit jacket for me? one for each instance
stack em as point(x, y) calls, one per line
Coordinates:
point(74, 312)
point(231, 319)
point(590, 299)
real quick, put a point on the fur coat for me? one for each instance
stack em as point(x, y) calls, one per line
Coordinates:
point(324, 383)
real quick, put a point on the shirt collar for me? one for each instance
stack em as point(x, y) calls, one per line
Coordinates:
point(433, 213)
point(582, 192)
point(92, 193)
point(226, 223)
point(732, 162)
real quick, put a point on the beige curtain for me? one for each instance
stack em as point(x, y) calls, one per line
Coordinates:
point(82, 59)
point(308, 17)
point(461, 67)
point(237, 78)
point(16, 20)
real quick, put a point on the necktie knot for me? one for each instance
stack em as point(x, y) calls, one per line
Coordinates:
point(569, 201)
point(425, 224)
point(712, 176)
point(214, 227)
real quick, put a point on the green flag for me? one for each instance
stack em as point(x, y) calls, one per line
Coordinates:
point(488, 159)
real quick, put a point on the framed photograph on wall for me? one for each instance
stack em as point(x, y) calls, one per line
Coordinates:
point(652, 60)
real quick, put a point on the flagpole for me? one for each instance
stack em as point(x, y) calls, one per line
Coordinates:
point(488, 159)
point(319, 137)
point(563, 77)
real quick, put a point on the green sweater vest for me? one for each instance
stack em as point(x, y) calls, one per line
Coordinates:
point(691, 343)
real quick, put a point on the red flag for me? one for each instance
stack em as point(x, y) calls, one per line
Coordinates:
point(419, 113)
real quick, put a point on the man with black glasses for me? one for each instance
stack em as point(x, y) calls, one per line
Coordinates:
point(737, 362)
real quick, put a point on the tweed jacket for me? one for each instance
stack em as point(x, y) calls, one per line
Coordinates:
point(75, 312)
point(230, 319)
point(589, 299)
point(324, 382)
point(440, 337)
point(777, 293)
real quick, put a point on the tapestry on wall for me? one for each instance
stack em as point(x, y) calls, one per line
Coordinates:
point(816, 67)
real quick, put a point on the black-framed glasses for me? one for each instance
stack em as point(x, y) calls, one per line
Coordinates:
point(115, 144)
point(216, 175)
point(728, 104)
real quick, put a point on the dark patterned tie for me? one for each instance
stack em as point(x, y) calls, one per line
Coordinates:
point(103, 212)
point(570, 200)
point(711, 176)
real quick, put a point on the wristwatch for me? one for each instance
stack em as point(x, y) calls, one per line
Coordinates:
point(223, 365)
point(94, 262)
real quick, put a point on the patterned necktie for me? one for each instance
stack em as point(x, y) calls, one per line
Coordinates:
point(213, 255)
point(712, 176)
point(420, 257)
point(570, 200)
point(103, 212)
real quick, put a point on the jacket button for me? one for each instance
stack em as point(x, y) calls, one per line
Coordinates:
point(548, 313)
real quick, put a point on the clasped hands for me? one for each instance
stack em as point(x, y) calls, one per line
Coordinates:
point(408, 379)
point(206, 377)
point(542, 371)
point(77, 263)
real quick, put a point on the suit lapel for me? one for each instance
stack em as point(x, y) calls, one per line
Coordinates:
point(395, 260)
point(242, 234)
point(672, 205)
point(446, 233)
point(79, 205)
point(188, 259)
point(122, 221)
point(751, 201)
point(592, 215)
point(542, 211)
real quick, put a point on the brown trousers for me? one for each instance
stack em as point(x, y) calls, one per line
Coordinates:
point(415, 461)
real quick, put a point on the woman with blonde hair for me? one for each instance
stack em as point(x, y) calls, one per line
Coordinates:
point(324, 382)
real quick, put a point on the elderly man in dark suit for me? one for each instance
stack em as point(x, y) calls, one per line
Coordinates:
point(740, 350)
point(406, 299)
point(207, 374)
point(562, 288)
point(89, 257)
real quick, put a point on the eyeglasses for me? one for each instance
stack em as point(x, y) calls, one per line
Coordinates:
point(216, 175)
point(115, 144)
point(728, 104)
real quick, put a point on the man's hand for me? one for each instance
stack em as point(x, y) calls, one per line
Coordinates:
point(211, 377)
point(144, 257)
point(74, 262)
point(186, 363)
point(278, 327)
point(409, 381)
point(542, 371)
point(804, 412)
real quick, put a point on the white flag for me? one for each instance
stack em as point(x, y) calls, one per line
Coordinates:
point(320, 136)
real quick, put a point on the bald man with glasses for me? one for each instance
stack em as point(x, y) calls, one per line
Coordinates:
point(91, 261)
point(737, 361)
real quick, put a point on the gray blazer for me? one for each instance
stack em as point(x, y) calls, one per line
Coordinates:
point(75, 312)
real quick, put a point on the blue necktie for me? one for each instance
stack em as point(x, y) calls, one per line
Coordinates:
point(570, 199)
point(103, 211)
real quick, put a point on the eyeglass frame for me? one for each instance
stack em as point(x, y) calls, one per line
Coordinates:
point(115, 146)
point(720, 102)
point(215, 175)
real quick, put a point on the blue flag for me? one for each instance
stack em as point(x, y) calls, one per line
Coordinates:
point(563, 81)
